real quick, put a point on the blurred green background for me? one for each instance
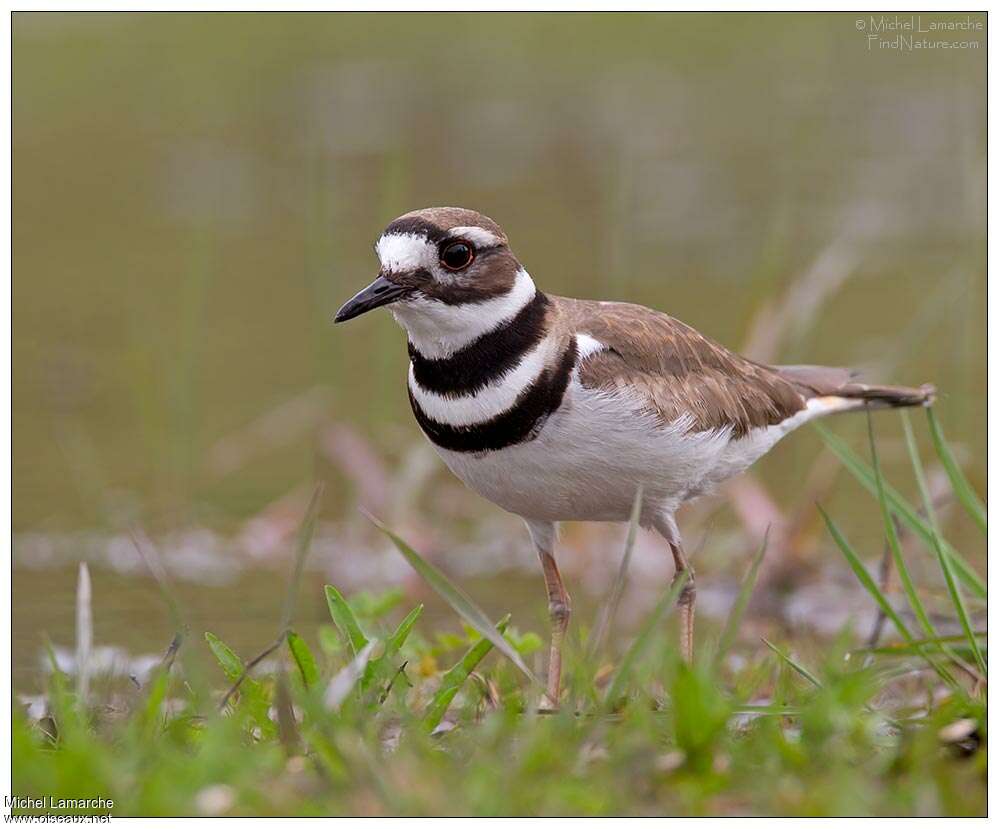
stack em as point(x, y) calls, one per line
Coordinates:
point(195, 195)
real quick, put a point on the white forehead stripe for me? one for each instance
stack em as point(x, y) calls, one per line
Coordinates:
point(400, 252)
point(478, 236)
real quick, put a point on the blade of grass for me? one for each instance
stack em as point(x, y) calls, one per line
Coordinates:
point(380, 668)
point(900, 507)
point(796, 667)
point(252, 693)
point(303, 541)
point(741, 601)
point(641, 642)
point(150, 716)
point(901, 649)
point(287, 725)
point(345, 620)
point(767, 710)
point(220, 649)
point(610, 608)
point(84, 632)
point(452, 681)
point(304, 659)
point(903, 571)
point(399, 672)
point(342, 684)
point(459, 601)
point(398, 639)
point(943, 556)
point(962, 489)
point(154, 564)
point(171, 652)
point(231, 664)
point(865, 578)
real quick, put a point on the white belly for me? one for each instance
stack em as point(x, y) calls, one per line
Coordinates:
point(594, 451)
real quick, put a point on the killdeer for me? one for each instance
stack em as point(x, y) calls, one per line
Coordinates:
point(559, 409)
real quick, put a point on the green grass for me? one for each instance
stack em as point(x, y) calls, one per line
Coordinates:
point(389, 717)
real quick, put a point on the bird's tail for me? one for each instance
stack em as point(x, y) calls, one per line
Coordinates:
point(822, 381)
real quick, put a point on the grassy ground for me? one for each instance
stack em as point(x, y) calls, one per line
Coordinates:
point(387, 717)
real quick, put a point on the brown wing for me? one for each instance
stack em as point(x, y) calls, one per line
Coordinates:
point(678, 371)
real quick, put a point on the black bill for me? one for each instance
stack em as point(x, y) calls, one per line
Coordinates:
point(380, 292)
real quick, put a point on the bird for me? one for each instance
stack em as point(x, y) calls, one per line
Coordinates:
point(559, 409)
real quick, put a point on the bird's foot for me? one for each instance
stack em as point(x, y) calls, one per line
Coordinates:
point(547, 705)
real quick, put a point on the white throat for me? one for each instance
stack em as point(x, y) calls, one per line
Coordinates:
point(438, 330)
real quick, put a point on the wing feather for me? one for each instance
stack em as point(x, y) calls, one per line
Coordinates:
point(677, 372)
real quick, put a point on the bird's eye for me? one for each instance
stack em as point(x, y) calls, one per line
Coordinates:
point(457, 255)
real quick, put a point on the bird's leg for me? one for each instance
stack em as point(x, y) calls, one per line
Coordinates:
point(558, 611)
point(685, 601)
point(665, 525)
point(559, 608)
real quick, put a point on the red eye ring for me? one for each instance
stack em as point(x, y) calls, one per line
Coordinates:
point(457, 255)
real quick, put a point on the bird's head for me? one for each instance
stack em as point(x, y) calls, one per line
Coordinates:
point(448, 276)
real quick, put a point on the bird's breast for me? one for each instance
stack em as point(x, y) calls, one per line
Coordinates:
point(465, 410)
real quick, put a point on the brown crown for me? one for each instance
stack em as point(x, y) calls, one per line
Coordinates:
point(437, 221)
